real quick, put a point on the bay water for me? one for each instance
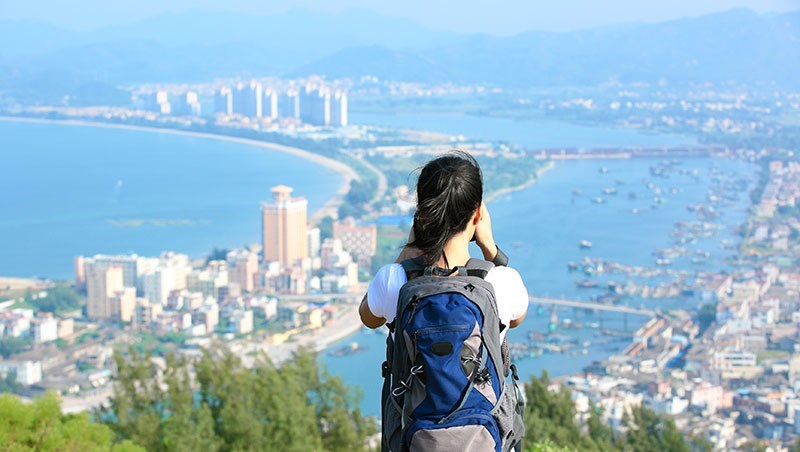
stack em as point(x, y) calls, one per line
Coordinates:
point(68, 190)
point(541, 227)
point(77, 190)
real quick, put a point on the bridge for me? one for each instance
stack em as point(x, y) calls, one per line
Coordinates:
point(356, 296)
point(591, 305)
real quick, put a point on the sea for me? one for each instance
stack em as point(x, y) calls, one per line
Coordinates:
point(542, 226)
point(68, 190)
point(76, 190)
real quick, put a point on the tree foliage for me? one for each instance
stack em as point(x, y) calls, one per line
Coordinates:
point(325, 228)
point(41, 426)
point(216, 404)
point(217, 254)
point(13, 345)
point(648, 430)
point(707, 315)
point(550, 418)
point(59, 299)
point(8, 383)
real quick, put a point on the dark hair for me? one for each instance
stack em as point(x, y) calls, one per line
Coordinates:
point(449, 190)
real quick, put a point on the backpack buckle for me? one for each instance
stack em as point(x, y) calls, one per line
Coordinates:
point(483, 376)
point(513, 368)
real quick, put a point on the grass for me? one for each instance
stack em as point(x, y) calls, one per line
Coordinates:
point(771, 355)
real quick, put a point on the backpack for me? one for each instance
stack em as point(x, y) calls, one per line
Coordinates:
point(445, 372)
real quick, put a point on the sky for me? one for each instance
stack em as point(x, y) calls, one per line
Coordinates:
point(498, 17)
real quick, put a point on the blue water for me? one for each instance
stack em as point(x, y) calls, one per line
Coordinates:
point(69, 190)
point(529, 134)
point(66, 191)
point(549, 221)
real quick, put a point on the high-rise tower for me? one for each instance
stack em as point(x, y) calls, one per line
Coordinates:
point(284, 227)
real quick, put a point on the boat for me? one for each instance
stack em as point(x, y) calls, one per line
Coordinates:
point(598, 200)
point(585, 244)
point(603, 170)
point(610, 191)
point(586, 284)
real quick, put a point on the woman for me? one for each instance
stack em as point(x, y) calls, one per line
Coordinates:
point(450, 213)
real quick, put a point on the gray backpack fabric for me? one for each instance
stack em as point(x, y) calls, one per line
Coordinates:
point(445, 375)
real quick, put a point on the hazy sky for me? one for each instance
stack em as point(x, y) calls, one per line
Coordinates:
point(495, 17)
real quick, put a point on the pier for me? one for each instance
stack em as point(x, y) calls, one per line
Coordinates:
point(591, 305)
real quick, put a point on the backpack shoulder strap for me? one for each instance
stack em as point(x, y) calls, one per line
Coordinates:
point(413, 267)
point(478, 267)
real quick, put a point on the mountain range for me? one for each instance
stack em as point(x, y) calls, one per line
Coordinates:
point(733, 46)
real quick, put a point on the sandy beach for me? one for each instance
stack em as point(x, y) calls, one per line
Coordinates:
point(329, 207)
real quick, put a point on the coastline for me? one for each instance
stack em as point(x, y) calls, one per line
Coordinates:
point(342, 169)
point(504, 191)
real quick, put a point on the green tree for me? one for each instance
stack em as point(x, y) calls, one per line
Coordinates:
point(215, 403)
point(217, 254)
point(41, 426)
point(600, 433)
point(326, 228)
point(550, 416)
point(707, 315)
point(188, 427)
point(13, 345)
point(59, 299)
point(699, 443)
point(649, 431)
point(9, 383)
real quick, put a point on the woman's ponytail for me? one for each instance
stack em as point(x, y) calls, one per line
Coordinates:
point(449, 190)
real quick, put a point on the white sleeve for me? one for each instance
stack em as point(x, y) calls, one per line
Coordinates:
point(384, 289)
point(510, 291)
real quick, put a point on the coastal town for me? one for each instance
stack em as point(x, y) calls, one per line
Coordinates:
point(728, 372)
point(298, 284)
point(717, 349)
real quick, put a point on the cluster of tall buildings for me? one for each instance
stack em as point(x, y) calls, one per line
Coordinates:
point(311, 104)
point(159, 292)
point(184, 104)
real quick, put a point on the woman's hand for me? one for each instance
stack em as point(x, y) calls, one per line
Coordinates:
point(483, 234)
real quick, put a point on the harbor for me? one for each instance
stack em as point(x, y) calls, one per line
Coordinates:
point(544, 231)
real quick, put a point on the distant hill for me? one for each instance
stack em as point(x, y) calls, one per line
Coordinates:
point(235, 42)
point(738, 46)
